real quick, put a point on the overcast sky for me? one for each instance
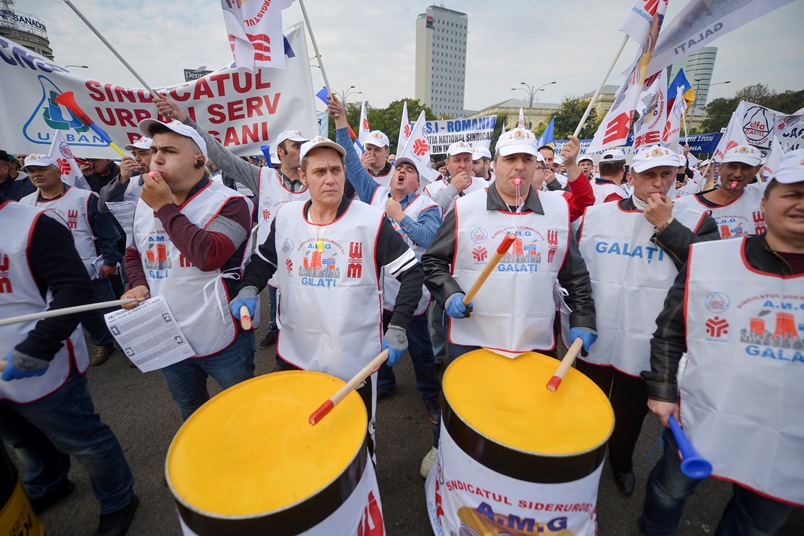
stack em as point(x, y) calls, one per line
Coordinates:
point(371, 45)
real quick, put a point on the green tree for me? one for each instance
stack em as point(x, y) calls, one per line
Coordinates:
point(787, 102)
point(569, 115)
point(385, 119)
point(718, 114)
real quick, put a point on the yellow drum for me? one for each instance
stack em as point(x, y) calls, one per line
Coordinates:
point(16, 514)
point(515, 457)
point(248, 461)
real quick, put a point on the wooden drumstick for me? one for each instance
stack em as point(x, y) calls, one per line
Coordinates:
point(359, 378)
point(502, 249)
point(245, 318)
point(565, 365)
point(65, 311)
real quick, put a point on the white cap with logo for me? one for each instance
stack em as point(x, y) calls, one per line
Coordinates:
point(744, 154)
point(459, 147)
point(39, 160)
point(615, 155)
point(317, 142)
point(143, 143)
point(292, 135)
point(518, 140)
point(790, 170)
point(585, 157)
point(654, 156)
point(179, 128)
point(376, 138)
point(481, 152)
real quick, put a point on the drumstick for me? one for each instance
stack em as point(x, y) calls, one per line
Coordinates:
point(245, 318)
point(65, 311)
point(565, 365)
point(359, 378)
point(502, 249)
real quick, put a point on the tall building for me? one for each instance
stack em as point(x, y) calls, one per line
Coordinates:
point(441, 59)
point(698, 68)
point(24, 29)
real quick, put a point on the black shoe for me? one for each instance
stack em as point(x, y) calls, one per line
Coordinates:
point(269, 340)
point(625, 482)
point(117, 523)
point(384, 394)
point(64, 489)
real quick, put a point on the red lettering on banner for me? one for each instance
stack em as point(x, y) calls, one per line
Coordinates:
point(648, 138)
point(371, 523)
point(216, 115)
point(94, 92)
point(618, 128)
point(202, 89)
point(180, 97)
point(235, 110)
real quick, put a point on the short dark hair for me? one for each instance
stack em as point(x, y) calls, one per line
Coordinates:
point(548, 148)
point(771, 185)
point(157, 128)
point(611, 167)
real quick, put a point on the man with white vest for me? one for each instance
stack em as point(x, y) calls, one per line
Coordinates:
point(191, 240)
point(513, 312)
point(329, 254)
point(416, 218)
point(46, 410)
point(735, 203)
point(375, 158)
point(92, 232)
point(727, 362)
point(458, 181)
point(273, 187)
point(633, 249)
point(608, 187)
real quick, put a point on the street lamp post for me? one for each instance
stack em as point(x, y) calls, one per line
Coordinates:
point(79, 66)
point(531, 91)
point(345, 94)
point(696, 105)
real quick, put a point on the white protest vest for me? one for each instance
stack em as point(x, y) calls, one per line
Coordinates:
point(432, 189)
point(330, 307)
point(272, 195)
point(741, 217)
point(741, 390)
point(390, 285)
point(383, 180)
point(603, 189)
point(630, 278)
point(73, 207)
point(514, 310)
point(133, 189)
point(19, 295)
point(198, 299)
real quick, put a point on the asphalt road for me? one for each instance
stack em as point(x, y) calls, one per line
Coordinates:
point(139, 409)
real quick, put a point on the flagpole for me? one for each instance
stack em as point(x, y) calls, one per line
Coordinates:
point(315, 45)
point(599, 89)
point(110, 47)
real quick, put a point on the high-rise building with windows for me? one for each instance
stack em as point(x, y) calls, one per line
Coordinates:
point(698, 68)
point(441, 59)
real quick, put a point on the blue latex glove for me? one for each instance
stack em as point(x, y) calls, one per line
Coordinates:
point(248, 297)
point(588, 336)
point(455, 307)
point(13, 373)
point(396, 341)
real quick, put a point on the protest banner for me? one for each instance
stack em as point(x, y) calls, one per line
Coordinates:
point(789, 130)
point(476, 131)
point(243, 110)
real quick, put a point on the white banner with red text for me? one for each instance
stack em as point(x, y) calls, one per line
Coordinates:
point(243, 110)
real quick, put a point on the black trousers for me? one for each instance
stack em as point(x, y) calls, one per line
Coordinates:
point(629, 399)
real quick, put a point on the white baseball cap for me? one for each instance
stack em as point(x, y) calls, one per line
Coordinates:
point(459, 147)
point(143, 143)
point(179, 128)
point(319, 141)
point(39, 160)
point(481, 152)
point(655, 156)
point(745, 154)
point(615, 155)
point(790, 171)
point(558, 159)
point(292, 135)
point(585, 157)
point(376, 138)
point(518, 140)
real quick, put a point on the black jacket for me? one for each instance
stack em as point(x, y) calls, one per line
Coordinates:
point(669, 341)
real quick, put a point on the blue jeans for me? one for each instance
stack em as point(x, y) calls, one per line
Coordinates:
point(187, 380)
point(747, 514)
point(437, 326)
point(47, 432)
point(457, 350)
point(93, 320)
point(421, 353)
